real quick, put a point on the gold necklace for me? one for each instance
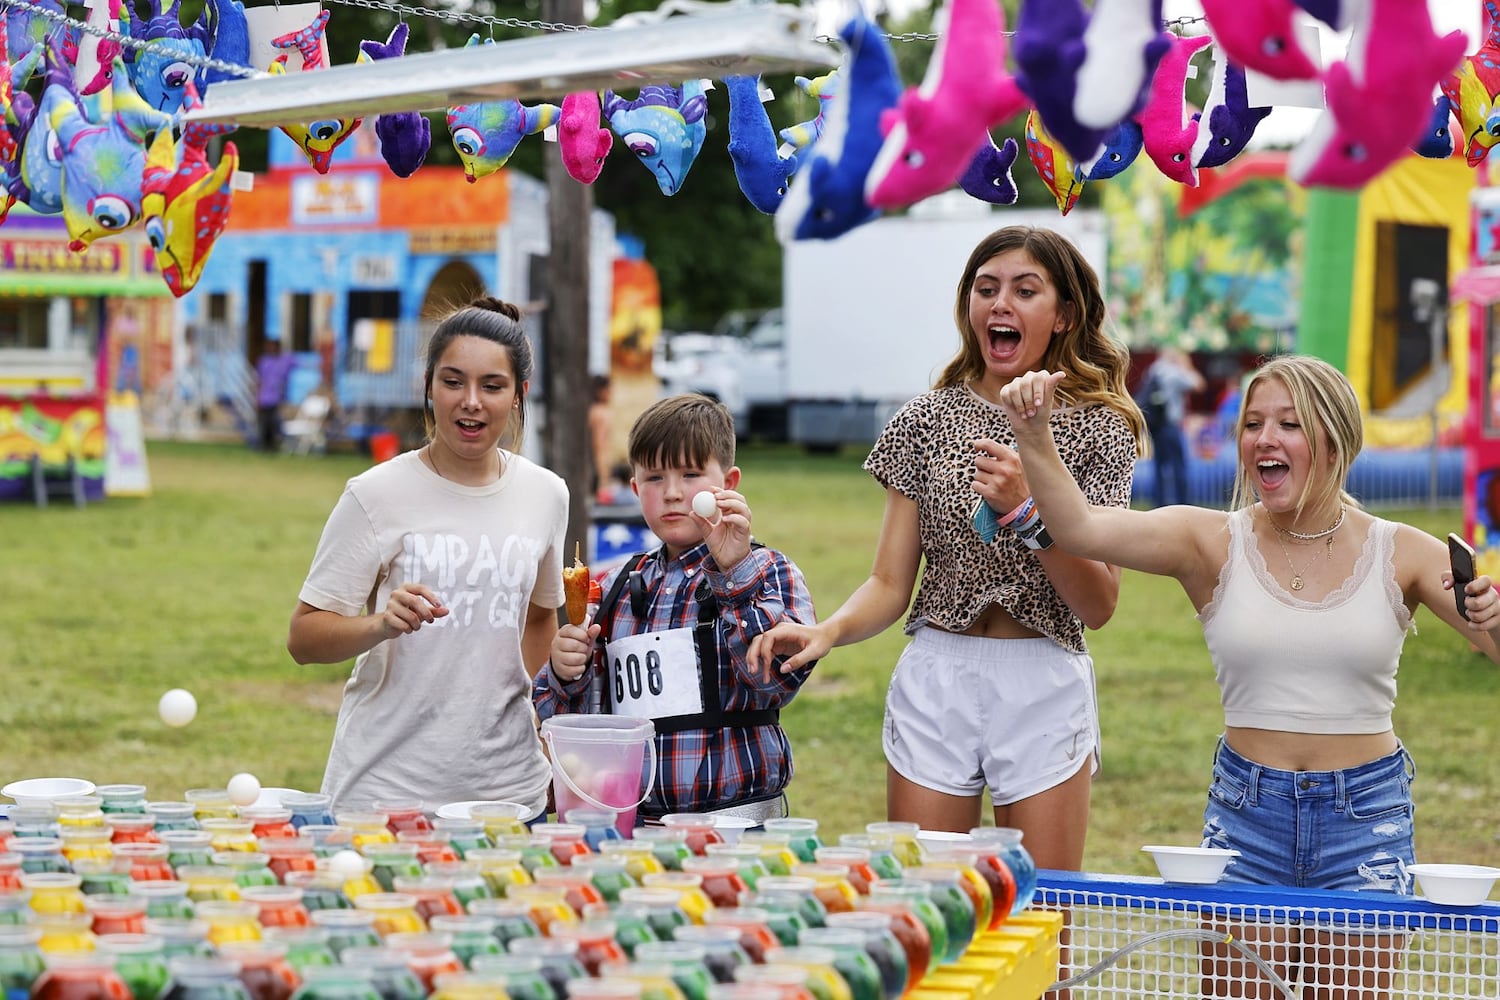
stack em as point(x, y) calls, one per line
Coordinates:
point(1311, 536)
point(1297, 574)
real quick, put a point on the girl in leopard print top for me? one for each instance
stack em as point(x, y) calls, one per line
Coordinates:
point(996, 688)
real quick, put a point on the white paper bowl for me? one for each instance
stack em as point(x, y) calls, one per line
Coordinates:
point(461, 810)
point(1455, 885)
point(730, 827)
point(42, 791)
point(1190, 865)
point(271, 796)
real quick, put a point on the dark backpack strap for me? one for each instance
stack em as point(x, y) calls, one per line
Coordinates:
point(605, 614)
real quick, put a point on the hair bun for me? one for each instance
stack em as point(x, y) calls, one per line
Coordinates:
point(492, 304)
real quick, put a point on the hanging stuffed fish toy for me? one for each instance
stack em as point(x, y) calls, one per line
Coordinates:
point(318, 139)
point(103, 160)
point(1121, 147)
point(93, 56)
point(1049, 50)
point(936, 130)
point(822, 89)
point(827, 197)
point(486, 134)
point(1437, 142)
point(1122, 44)
point(160, 71)
point(762, 172)
point(1168, 130)
point(1473, 92)
point(185, 199)
point(1379, 96)
point(663, 127)
point(581, 140)
point(1228, 121)
point(36, 180)
point(406, 136)
point(1261, 35)
point(1053, 165)
point(988, 176)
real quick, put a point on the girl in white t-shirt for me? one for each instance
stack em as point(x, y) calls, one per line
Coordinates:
point(441, 572)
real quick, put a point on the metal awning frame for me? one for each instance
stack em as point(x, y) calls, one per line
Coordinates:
point(736, 40)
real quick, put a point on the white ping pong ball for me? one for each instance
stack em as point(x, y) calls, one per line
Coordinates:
point(177, 707)
point(347, 864)
point(705, 505)
point(244, 789)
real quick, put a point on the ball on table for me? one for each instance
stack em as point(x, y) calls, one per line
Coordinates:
point(177, 707)
point(705, 505)
point(347, 864)
point(244, 789)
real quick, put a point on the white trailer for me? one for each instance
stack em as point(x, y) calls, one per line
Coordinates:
point(869, 316)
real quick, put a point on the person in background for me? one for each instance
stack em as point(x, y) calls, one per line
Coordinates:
point(600, 422)
point(996, 688)
point(440, 573)
point(272, 371)
point(1169, 381)
point(692, 607)
point(1305, 601)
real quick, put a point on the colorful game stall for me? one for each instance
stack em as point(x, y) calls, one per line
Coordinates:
point(78, 333)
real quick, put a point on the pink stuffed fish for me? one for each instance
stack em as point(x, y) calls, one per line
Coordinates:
point(1379, 97)
point(581, 140)
point(1261, 35)
point(935, 131)
point(1167, 130)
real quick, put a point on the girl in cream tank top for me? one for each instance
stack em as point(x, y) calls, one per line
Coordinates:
point(1284, 663)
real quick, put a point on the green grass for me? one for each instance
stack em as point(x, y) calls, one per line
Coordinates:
point(193, 586)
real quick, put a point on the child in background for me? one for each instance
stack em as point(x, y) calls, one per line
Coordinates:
point(696, 602)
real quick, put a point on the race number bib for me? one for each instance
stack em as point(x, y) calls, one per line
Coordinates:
point(655, 675)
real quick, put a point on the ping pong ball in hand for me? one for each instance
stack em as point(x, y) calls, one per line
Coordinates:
point(244, 789)
point(347, 864)
point(704, 504)
point(177, 707)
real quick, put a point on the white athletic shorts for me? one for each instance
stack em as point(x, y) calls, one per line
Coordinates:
point(1020, 715)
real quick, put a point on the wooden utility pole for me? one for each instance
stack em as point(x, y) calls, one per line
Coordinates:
point(565, 439)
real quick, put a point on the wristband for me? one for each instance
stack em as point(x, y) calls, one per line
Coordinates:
point(1023, 509)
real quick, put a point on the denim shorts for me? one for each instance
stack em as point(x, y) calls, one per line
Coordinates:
point(1348, 829)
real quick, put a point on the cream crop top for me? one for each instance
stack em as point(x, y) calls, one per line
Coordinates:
point(1300, 666)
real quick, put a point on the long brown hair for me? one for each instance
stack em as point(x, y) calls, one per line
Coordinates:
point(1096, 364)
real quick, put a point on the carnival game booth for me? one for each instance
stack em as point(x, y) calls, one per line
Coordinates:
point(79, 334)
point(349, 268)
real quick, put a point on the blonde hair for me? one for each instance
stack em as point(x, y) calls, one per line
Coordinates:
point(1096, 364)
point(1329, 414)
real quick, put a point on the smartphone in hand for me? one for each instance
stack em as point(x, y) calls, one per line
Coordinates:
point(1461, 559)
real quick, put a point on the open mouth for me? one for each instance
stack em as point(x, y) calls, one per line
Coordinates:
point(1272, 473)
point(470, 428)
point(1005, 341)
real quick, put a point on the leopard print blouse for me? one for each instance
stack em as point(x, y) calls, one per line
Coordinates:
point(925, 455)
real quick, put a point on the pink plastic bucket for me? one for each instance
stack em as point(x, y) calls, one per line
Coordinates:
point(596, 763)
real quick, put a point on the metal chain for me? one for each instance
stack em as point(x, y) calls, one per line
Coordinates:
point(928, 36)
point(461, 17)
point(207, 62)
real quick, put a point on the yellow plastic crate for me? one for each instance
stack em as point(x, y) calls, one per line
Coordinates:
point(1016, 962)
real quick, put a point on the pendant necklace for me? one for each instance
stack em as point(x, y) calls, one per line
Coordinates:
point(1298, 574)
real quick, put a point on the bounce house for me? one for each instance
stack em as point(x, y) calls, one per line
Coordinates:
point(1248, 263)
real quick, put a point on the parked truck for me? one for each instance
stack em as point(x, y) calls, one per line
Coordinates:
point(868, 318)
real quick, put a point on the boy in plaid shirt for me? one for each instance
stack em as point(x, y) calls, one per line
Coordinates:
point(669, 640)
